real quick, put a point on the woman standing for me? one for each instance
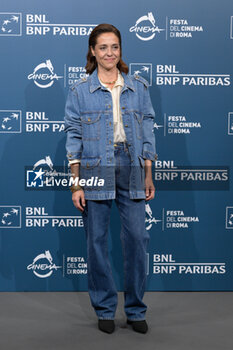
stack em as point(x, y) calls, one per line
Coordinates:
point(109, 124)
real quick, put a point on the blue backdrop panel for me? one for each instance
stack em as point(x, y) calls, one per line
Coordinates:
point(184, 49)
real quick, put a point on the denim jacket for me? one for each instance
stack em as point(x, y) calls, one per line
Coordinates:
point(89, 128)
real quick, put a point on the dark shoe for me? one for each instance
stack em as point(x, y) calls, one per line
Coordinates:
point(139, 326)
point(106, 326)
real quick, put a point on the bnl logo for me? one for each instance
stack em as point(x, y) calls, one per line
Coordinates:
point(10, 216)
point(230, 123)
point(10, 121)
point(142, 69)
point(229, 217)
point(10, 24)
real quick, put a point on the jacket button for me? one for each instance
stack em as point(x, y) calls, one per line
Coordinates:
point(109, 106)
point(123, 107)
point(88, 165)
point(89, 119)
point(126, 125)
point(110, 123)
point(110, 142)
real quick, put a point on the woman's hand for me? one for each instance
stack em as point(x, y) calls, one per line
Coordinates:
point(149, 186)
point(78, 199)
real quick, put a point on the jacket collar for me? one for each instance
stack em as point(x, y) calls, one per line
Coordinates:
point(94, 83)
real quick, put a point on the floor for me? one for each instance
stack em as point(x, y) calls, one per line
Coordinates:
point(177, 321)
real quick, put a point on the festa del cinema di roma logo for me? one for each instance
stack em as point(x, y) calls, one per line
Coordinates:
point(43, 265)
point(43, 75)
point(145, 28)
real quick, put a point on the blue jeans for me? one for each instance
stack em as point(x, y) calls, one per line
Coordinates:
point(134, 238)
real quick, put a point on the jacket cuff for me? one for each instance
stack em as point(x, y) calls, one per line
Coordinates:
point(149, 156)
point(74, 161)
point(74, 156)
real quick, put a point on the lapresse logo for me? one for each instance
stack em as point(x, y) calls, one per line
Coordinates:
point(10, 24)
point(43, 265)
point(43, 75)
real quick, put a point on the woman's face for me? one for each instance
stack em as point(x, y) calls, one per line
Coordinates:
point(107, 51)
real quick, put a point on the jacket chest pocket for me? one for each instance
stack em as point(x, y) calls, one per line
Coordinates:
point(138, 117)
point(91, 127)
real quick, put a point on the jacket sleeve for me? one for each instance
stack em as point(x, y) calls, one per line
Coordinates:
point(149, 150)
point(73, 126)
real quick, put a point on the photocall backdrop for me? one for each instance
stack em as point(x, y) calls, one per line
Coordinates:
point(185, 51)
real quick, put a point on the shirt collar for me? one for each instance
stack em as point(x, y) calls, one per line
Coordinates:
point(124, 80)
point(120, 80)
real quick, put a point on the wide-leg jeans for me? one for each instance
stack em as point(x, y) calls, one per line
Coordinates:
point(134, 239)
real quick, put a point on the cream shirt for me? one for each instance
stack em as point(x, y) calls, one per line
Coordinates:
point(118, 130)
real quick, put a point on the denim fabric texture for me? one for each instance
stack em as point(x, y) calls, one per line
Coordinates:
point(134, 238)
point(89, 128)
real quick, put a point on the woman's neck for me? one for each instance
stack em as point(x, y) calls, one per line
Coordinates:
point(107, 76)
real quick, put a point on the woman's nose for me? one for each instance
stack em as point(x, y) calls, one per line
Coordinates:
point(109, 51)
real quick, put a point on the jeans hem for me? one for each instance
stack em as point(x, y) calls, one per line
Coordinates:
point(136, 319)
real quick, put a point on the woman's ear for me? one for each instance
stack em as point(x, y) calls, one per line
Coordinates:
point(92, 51)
